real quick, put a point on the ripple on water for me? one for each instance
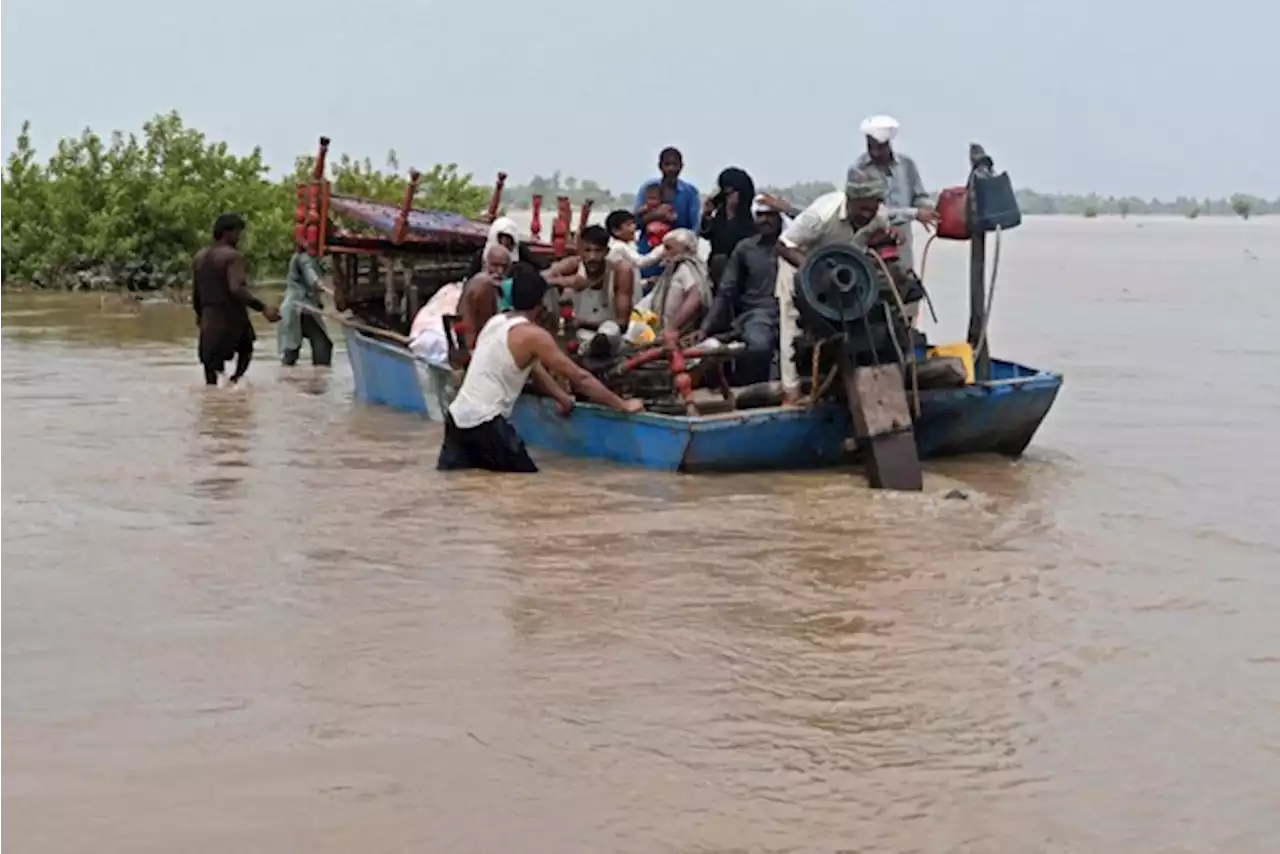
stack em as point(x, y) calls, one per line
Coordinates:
point(266, 620)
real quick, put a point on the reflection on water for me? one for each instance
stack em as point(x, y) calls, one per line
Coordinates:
point(258, 619)
point(225, 425)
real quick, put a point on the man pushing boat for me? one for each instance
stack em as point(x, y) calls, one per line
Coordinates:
point(511, 349)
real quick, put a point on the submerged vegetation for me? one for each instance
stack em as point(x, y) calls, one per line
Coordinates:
point(134, 208)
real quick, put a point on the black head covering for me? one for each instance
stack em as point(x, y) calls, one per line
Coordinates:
point(742, 225)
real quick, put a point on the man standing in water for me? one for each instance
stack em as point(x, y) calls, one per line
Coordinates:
point(510, 348)
point(906, 199)
point(303, 284)
point(678, 202)
point(222, 301)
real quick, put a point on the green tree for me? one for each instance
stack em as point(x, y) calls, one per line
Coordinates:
point(136, 208)
point(1124, 207)
point(1091, 210)
point(26, 230)
point(1242, 206)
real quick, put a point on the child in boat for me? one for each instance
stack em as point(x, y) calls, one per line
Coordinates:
point(621, 225)
point(656, 230)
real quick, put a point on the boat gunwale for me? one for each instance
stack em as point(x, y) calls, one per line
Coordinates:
point(1034, 379)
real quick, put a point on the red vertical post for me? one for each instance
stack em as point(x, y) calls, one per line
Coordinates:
point(311, 236)
point(322, 243)
point(584, 217)
point(560, 228)
point(402, 221)
point(535, 223)
point(300, 216)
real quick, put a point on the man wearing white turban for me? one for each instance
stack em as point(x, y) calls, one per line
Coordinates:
point(906, 199)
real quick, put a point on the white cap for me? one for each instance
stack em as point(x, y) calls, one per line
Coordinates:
point(880, 128)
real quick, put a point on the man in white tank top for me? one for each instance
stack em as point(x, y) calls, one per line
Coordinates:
point(511, 349)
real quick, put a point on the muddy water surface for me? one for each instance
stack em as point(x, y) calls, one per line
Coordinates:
point(260, 620)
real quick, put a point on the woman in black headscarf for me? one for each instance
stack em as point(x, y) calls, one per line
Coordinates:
point(726, 218)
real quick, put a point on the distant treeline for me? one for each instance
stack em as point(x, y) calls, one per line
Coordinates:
point(1031, 202)
point(133, 208)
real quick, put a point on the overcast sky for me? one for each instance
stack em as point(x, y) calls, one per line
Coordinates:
point(1126, 96)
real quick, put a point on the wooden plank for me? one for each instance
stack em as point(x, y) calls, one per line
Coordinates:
point(882, 422)
point(881, 401)
point(893, 462)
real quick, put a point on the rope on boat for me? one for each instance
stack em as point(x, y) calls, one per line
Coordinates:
point(387, 334)
point(924, 261)
point(902, 307)
point(817, 390)
point(991, 288)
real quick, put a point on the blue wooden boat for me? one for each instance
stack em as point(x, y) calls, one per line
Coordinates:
point(998, 416)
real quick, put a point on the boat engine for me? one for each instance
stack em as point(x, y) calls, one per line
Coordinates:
point(841, 294)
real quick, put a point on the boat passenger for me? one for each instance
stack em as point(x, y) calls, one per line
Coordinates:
point(427, 336)
point(683, 290)
point(727, 219)
point(485, 294)
point(221, 299)
point(906, 198)
point(855, 216)
point(601, 289)
point(677, 201)
point(510, 350)
point(502, 232)
point(621, 225)
point(303, 283)
point(747, 298)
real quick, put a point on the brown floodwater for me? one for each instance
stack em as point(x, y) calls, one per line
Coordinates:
point(259, 620)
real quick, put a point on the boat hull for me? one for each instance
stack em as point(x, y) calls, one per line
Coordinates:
point(1000, 416)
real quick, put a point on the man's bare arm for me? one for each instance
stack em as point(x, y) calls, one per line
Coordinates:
point(238, 286)
point(196, 305)
point(690, 307)
point(791, 254)
point(624, 290)
point(541, 346)
point(546, 384)
point(478, 303)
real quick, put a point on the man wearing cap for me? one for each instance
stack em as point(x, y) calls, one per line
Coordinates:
point(906, 200)
point(850, 217)
point(747, 296)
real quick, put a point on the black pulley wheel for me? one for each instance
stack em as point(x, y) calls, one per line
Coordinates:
point(839, 284)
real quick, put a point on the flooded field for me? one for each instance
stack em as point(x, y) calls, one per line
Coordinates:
point(259, 620)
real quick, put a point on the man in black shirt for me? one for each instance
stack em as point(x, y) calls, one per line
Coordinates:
point(222, 301)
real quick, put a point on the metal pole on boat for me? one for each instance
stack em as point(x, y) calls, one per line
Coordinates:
point(980, 166)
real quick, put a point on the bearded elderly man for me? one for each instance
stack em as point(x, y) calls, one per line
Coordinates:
point(850, 217)
point(906, 200)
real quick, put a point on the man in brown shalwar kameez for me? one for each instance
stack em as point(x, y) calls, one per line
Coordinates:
point(222, 301)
